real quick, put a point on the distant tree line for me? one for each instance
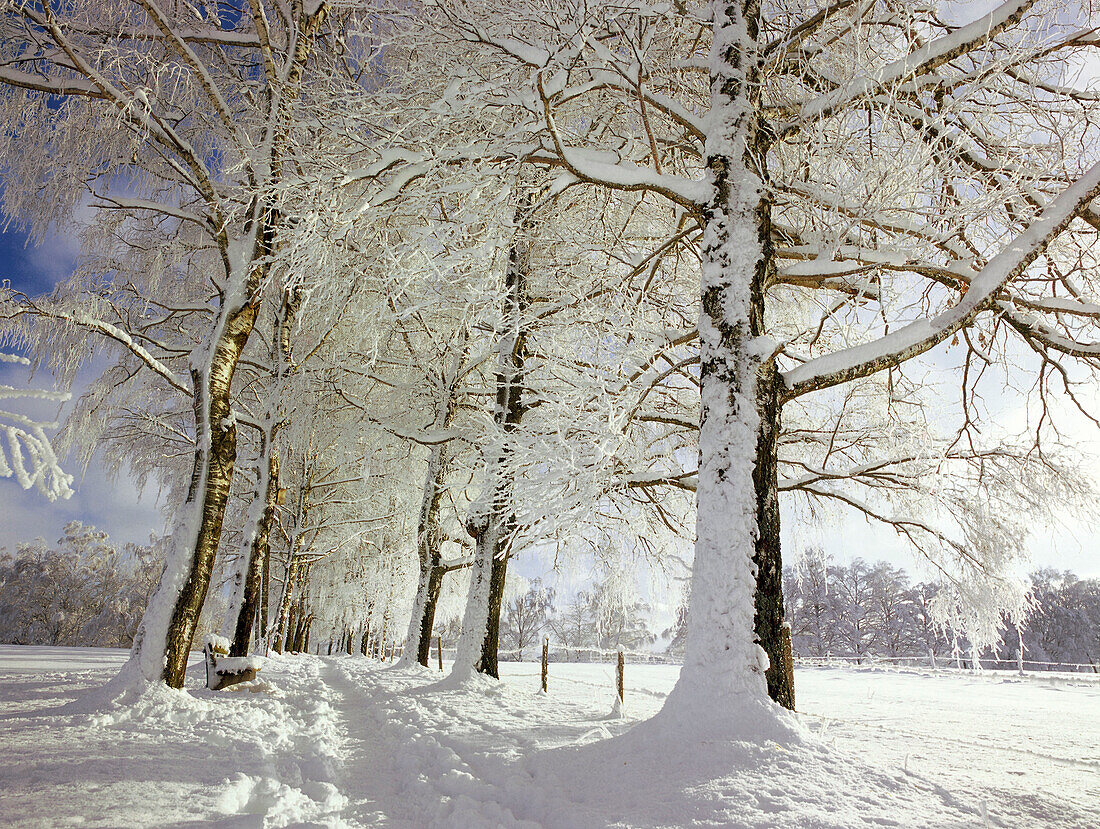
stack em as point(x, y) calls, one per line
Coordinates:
point(80, 591)
point(1065, 624)
point(604, 618)
point(860, 610)
point(85, 591)
point(874, 610)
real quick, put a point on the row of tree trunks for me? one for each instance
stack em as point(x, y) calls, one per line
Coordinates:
point(285, 620)
point(298, 637)
point(263, 618)
point(252, 611)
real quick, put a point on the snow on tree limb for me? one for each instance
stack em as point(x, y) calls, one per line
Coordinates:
point(926, 59)
point(921, 335)
point(26, 452)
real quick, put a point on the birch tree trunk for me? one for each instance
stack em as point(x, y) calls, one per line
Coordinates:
point(221, 432)
point(163, 643)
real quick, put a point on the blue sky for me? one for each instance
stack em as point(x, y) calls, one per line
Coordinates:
point(113, 505)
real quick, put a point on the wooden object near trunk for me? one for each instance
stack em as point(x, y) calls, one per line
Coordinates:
point(218, 678)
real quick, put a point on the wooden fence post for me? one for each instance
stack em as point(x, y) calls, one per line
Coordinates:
point(619, 677)
point(545, 661)
point(439, 650)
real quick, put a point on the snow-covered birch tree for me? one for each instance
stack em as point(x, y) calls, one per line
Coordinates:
point(180, 118)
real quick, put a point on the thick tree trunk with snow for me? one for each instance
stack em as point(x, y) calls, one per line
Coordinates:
point(722, 685)
point(479, 629)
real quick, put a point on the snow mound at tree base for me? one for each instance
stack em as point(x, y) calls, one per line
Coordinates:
point(488, 754)
point(634, 780)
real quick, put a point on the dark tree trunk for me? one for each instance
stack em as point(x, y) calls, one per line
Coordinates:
point(493, 532)
point(257, 555)
point(768, 555)
point(298, 642)
point(283, 623)
point(291, 627)
point(263, 619)
point(490, 647)
point(427, 617)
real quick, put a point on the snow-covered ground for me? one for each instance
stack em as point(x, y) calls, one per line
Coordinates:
point(344, 741)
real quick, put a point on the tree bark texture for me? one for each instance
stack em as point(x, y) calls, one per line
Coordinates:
point(491, 645)
point(217, 441)
point(433, 584)
point(768, 556)
point(257, 555)
point(769, 619)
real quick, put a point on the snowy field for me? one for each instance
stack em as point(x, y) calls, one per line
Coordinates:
point(343, 741)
